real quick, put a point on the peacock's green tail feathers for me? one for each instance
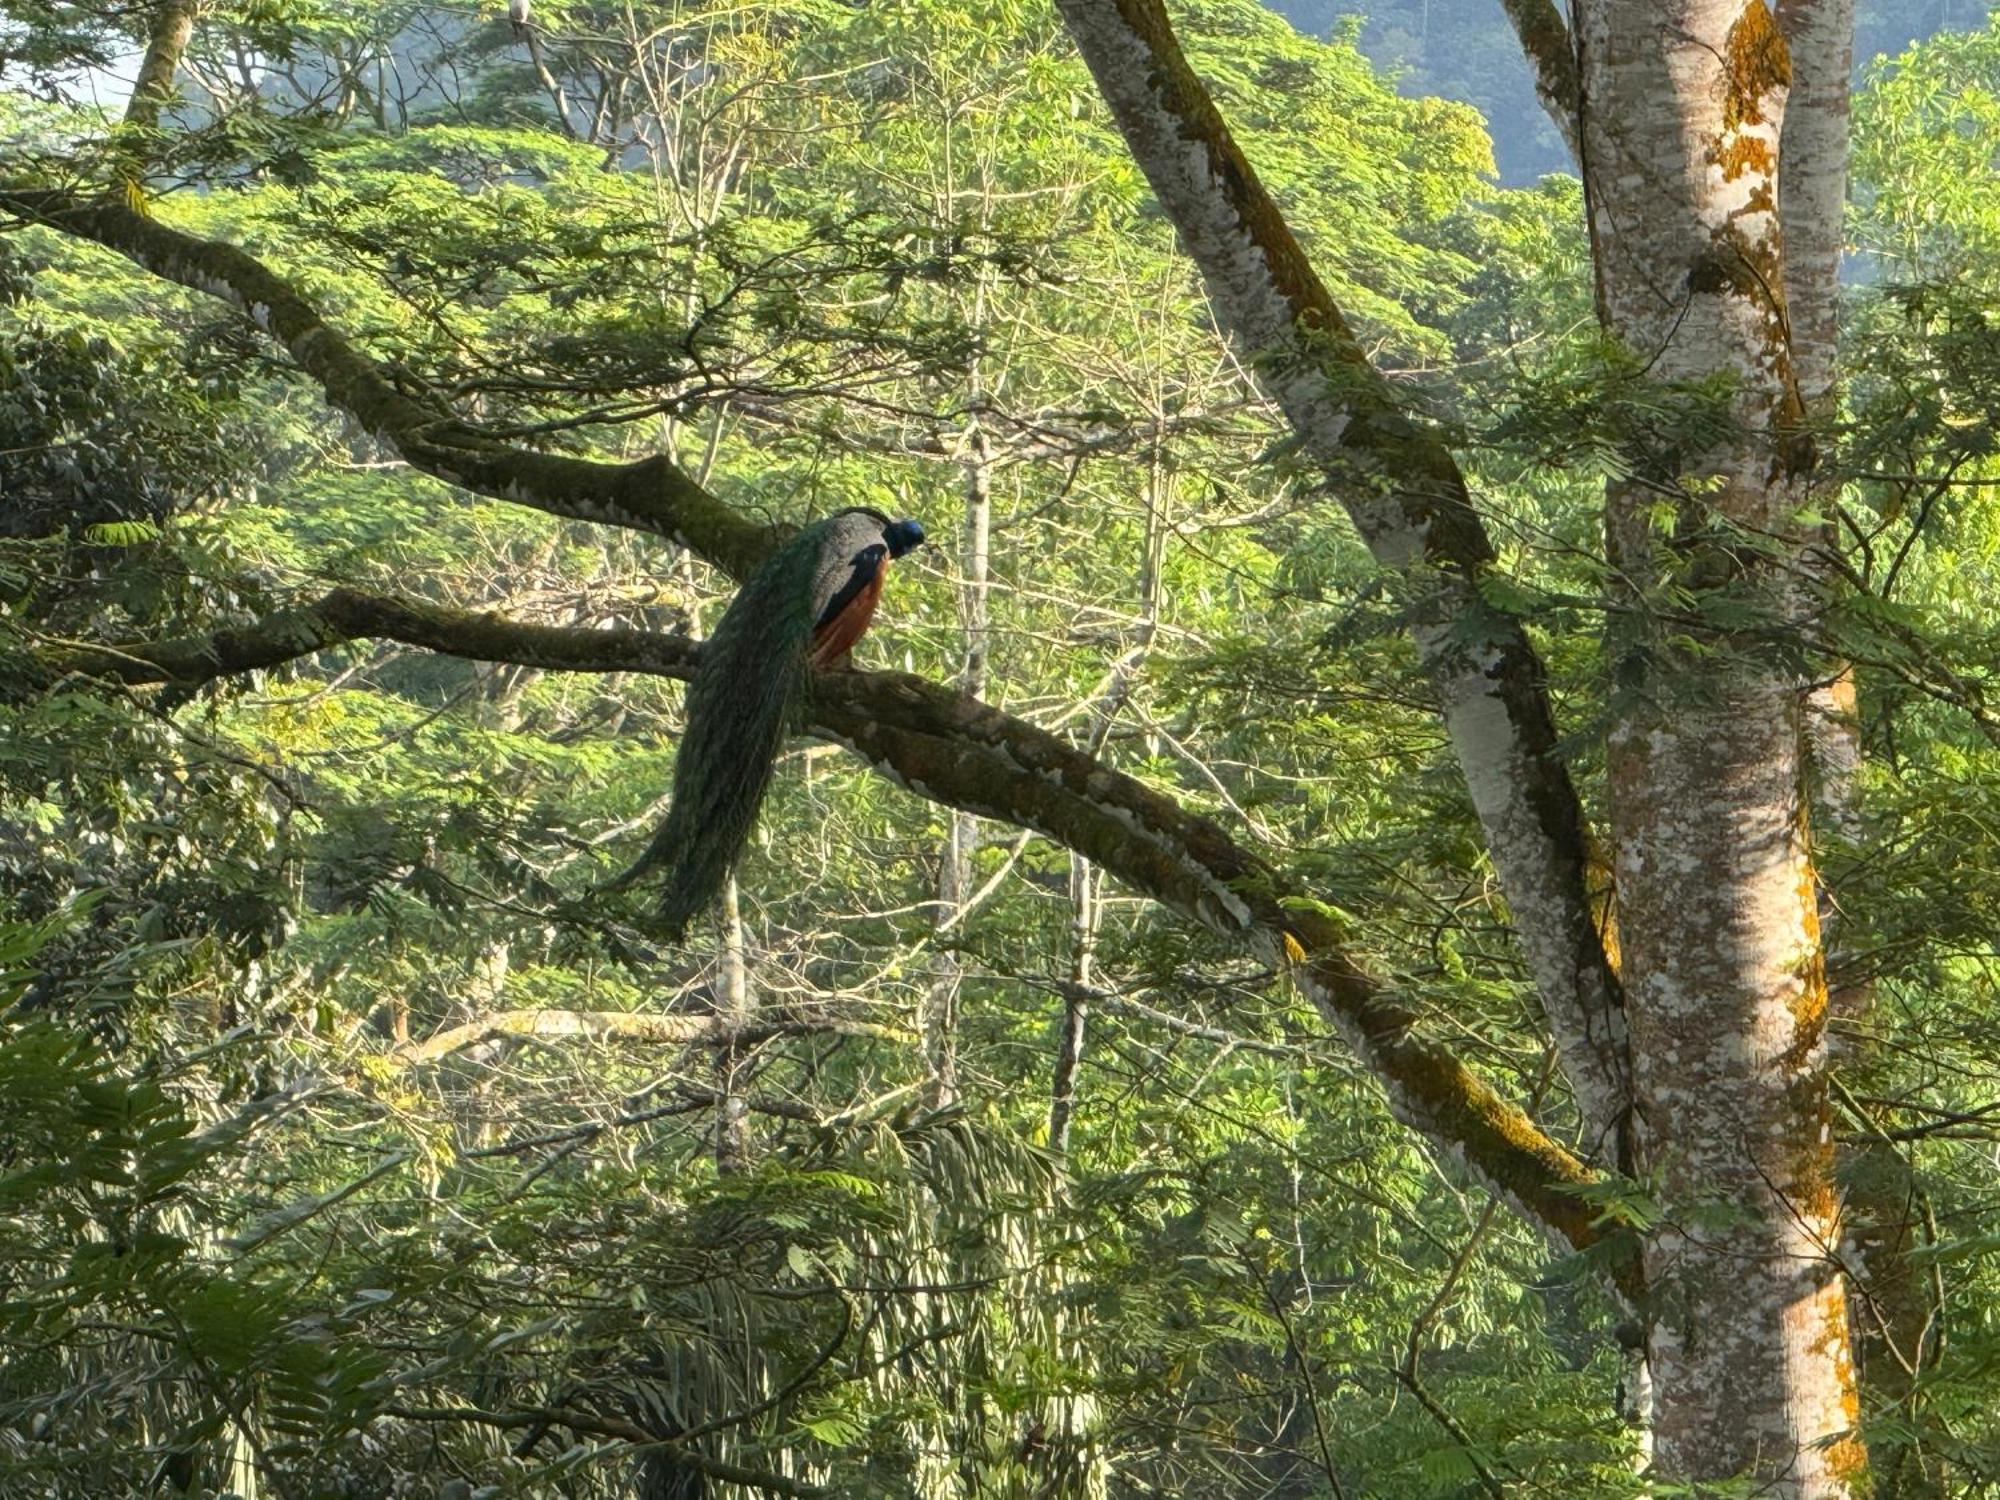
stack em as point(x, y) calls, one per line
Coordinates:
point(749, 693)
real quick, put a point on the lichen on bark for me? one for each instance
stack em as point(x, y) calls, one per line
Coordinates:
point(1717, 918)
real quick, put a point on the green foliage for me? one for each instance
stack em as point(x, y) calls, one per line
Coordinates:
point(103, 438)
point(822, 254)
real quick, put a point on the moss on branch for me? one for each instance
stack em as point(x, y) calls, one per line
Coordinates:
point(968, 755)
point(652, 494)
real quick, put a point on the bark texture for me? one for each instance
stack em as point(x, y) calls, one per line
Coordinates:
point(1684, 116)
point(735, 1011)
point(153, 87)
point(1545, 38)
point(1898, 1308)
point(1896, 1315)
point(1812, 192)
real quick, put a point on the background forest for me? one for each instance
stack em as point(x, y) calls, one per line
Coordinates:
point(1464, 49)
point(351, 1147)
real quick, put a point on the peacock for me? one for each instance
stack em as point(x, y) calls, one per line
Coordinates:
point(801, 611)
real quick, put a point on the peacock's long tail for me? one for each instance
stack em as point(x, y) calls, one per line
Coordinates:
point(749, 692)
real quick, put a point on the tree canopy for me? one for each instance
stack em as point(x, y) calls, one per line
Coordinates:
point(389, 403)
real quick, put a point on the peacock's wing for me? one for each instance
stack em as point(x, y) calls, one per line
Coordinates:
point(852, 554)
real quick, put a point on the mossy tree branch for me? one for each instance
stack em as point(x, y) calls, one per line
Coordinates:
point(1551, 53)
point(965, 754)
point(652, 495)
point(1405, 493)
point(1408, 498)
point(1411, 501)
point(153, 88)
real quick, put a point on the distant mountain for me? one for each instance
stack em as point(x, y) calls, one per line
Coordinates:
point(1465, 49)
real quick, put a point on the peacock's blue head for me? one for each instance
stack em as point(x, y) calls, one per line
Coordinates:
point(903, 536)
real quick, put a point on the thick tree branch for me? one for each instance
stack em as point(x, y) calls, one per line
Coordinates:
point(964, 754)
point(1551, 53)
point(549, 82)
point(1411, 503)
point(651, 495)
point(1408, 498)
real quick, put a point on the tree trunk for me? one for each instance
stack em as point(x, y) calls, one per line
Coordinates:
point(1084, 885)
point(1749, 1345)
point(940, 1019)
point(1898, 1327)
point(1897, 1312)
point(1896, 1331)
point(167, 39)
point(736, 1010)
point(1408, 499)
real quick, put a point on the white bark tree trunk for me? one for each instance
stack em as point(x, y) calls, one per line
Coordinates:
point(1085, 887)
point(1812, 190)
point(1893, 1306)
point(1683, 118)
point(955, 882)
point(736, 1010)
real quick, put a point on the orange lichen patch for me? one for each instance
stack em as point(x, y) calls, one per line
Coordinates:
point(1755, 64)
point(1808, 1008)
point(1847, 1461)
point(1738, 154)
point(1846, 1456)
point(1832, 1342)
point(1814, 1197)
point(1809, 1005)
point(1761, 201)
point(1807, 1002)
point(1801, 1165)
